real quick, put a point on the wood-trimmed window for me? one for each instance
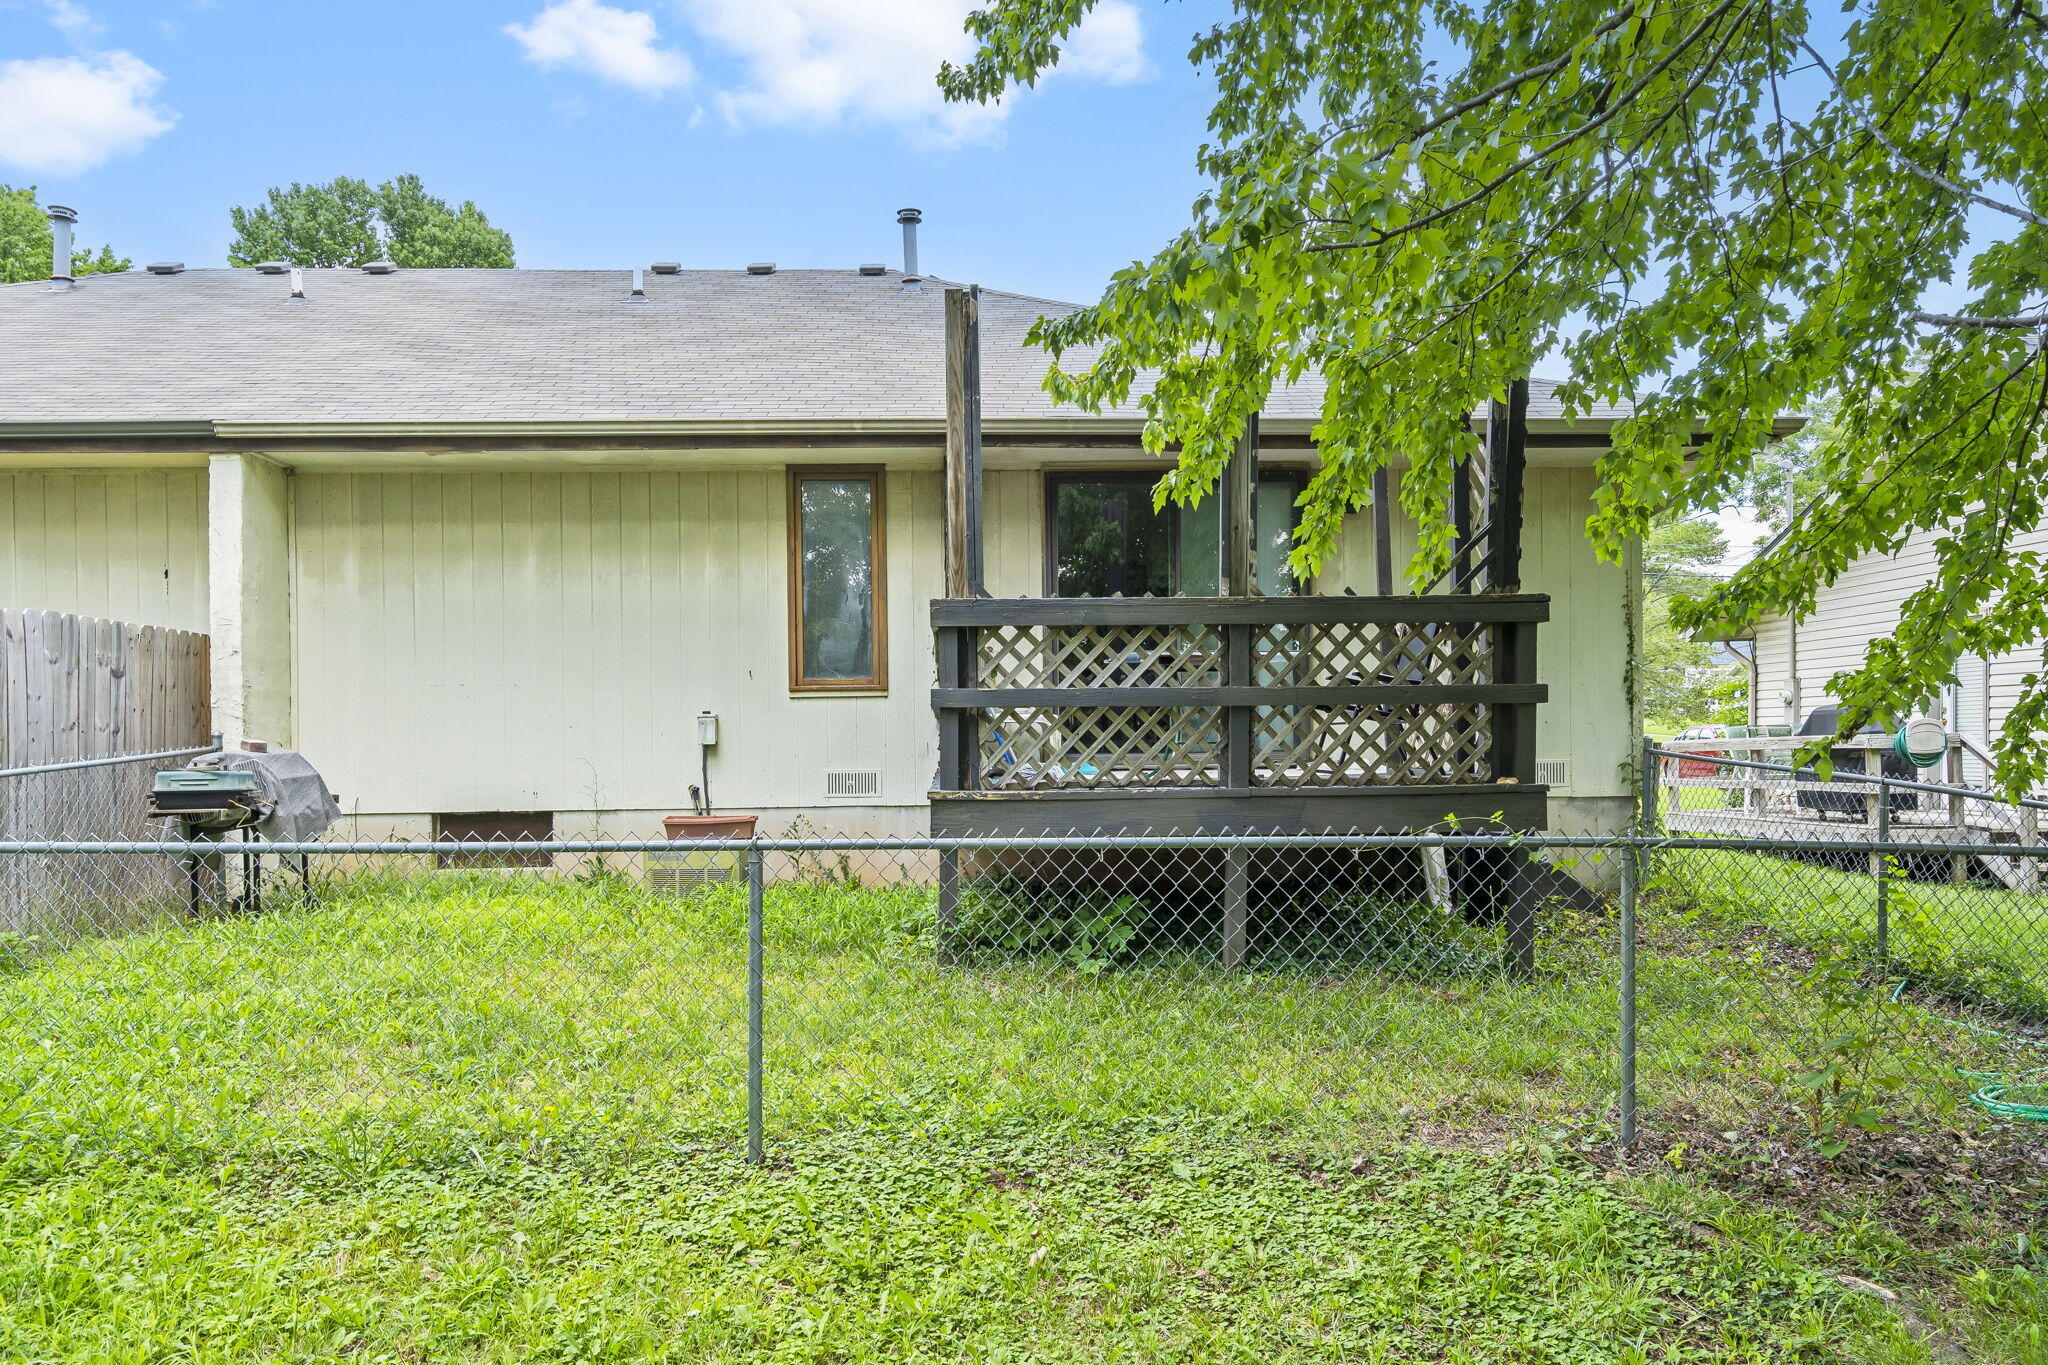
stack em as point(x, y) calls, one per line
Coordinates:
point(838, 608)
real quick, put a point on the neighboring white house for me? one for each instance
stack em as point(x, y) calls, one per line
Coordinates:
point(1795, 659)
point(484, 541)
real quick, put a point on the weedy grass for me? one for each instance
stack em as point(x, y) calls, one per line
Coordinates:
point(398, 1017)
point(1983, 944)
point(1132, 1242)
point(465, 1116)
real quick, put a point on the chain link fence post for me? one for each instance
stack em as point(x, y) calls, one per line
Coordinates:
point(1880, 868)
point(1630, 855)
point(756, 878)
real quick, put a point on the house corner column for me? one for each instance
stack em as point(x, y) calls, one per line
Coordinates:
point(248, 519)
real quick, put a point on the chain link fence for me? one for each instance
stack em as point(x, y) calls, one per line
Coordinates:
point(367, 999)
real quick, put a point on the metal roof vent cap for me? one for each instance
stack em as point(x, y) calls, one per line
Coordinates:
point(61, 219)
point(761, 268)
point(667, 267)
point(379, 268)
point(873, 268)
point(165, 267)
point(272, 267)
point(909, 219)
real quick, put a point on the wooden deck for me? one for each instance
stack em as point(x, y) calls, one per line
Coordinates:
point(1242, 713)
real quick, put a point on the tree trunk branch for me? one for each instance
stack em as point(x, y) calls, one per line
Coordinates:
point(1964, 320)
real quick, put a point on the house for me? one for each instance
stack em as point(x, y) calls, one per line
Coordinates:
point(486, 545)
point(1794, 659)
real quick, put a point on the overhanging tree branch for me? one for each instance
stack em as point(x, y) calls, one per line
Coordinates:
point(2021, 323)
point(1912, 167)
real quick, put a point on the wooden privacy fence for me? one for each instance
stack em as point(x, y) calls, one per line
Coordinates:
point(74, 687)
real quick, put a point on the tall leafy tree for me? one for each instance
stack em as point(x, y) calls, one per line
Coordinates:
point(1711, 209)
point(25, 242)
point(348, 222)
point(1678, 679)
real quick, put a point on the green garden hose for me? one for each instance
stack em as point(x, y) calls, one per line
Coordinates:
point(1918, 759)
point(1993, 1086)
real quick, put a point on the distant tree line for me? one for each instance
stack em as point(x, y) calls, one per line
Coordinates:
point(343, 222)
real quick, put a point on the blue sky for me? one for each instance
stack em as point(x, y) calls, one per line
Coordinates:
point(713, 132)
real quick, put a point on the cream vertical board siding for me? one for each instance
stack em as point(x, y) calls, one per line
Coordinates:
point(1863, 604)
point(514, 641)
point(1582, 652)
point(1013, 532)
point(124, 545)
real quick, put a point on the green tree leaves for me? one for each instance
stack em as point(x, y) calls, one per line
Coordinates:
point(1676, 204)
point(25, 242)
point(346, 222)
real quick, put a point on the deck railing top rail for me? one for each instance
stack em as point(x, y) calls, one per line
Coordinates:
point(1460, 609)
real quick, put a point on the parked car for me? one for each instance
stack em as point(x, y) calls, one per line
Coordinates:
point(1699, 767)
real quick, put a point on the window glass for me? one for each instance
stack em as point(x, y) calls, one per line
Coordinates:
point(1273, 513)
point(836, 568)
point(1108, 540)
point(1201, 547)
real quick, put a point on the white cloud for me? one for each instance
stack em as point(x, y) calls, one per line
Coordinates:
point(1108, 46)
point(63, 115)
point(617, 45)
point(820, 61)
point(74, 21)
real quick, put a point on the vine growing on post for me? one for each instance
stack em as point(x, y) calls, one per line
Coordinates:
point(1721, 212)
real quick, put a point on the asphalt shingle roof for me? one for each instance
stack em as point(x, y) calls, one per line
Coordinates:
point(793, 347)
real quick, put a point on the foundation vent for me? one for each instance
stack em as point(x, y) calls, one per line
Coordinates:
point(678, 874)
point(1554, 772)
point(853, 784)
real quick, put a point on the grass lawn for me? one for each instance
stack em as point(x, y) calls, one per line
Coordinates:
point(465, 1117)
point(1987, 944)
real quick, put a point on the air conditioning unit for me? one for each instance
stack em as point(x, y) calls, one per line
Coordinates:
point(853, 784)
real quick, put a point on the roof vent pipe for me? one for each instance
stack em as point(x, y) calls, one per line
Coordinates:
point(298, 294)
point(639, 294)
point(61, 220)
point(910, 218)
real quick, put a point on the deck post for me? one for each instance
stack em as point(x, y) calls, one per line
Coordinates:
point(964, 577)
point(1240, 537)
point(1514, 723)
point(1240, 579)
point(1382, 532)
point(953, 652)
point(1237, 898)
point(1461, 524)
point(1507, 443)
point(949, 902)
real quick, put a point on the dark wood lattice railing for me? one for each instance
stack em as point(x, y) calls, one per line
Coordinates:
point(1045, 694)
